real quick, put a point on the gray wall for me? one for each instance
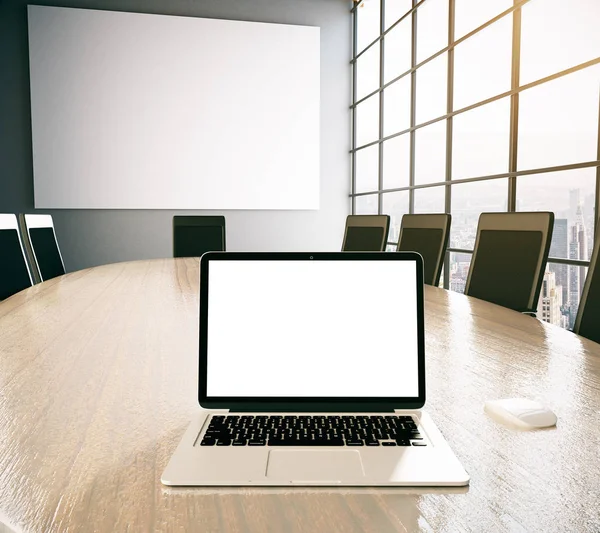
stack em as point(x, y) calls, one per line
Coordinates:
point(94, 237)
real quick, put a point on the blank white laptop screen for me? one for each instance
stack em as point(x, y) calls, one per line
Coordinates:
point(312, 329)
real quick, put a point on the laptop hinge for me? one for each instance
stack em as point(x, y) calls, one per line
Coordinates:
point(300, 410)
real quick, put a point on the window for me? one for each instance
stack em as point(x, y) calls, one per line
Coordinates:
point(558, 120)
point(430, 200)
point(432, 93)
point(366, 205)
point(471, 14)
point(432, 28)
point(367, 23)
point(367, 121)
point(459, 271)
point(367, 169)
point(469, 92)
point(394, 10)
point(480, 140)
point(482, 64)
point(367, 72)
point(398, 49)
point(396, 116)
point(469, 200)
point(556, 36)
point(396, 162)
point(395, 204)
point(430, 153)
point(570, 195)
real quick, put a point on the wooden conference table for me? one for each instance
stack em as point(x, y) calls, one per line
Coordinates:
point(98, 373)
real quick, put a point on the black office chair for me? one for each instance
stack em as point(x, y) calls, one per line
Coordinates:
point(587, 323)
point(428, 235)
point(40, 243)
point(195, 235)
point(14, 271)
point(366, 233)
point(511, 251)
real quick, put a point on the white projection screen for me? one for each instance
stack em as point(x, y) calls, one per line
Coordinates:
point(139, 111)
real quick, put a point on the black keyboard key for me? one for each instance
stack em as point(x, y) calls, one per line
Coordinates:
point(388, 443)
point(419, 444)
point(305, 430)
point(207, 442)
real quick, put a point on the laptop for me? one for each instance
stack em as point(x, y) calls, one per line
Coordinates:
point(312, 372)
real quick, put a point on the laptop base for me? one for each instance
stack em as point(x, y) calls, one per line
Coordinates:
point(432, 465)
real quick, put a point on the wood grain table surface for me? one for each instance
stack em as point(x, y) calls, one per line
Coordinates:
point(98, 381)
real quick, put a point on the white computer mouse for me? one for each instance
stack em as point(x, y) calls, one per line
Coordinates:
point(521, 413)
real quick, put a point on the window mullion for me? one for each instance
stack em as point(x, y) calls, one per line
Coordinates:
point(514, 109)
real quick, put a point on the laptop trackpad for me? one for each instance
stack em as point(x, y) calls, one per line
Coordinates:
point(306, 466)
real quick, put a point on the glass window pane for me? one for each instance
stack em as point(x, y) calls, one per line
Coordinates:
point(390, 248)
point(367, 72)
point(575, 280)
point(558, 121)
point(395, 204)
point(469, 200)
point(432, 94)
point(432, 28)
point(397, 47)
point(459, 271)
point(394, 9)
point(396, 107)
point(366, 205)
point(367, 121)
point(367, 23)
point(396, 162)
point(430, 200)
point(570, 196)
point(480, 140)
point(430, 153)
point(470, 14)
point(482, 64)
point(556, 35)
point(367, 165)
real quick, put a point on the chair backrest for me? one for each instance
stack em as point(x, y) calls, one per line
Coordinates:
point(587, 323)
point(511, 251)
point(194, 235)
point(366, 233)
point(14, 271)
point(428, 235)
point(42, 246)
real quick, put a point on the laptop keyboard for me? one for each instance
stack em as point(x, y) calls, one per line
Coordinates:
point(248, 430)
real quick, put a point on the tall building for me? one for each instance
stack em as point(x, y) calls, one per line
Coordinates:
point(574, 203)
point(589, 209)
point(560, 248)
point(578, 249)
point(550, 300)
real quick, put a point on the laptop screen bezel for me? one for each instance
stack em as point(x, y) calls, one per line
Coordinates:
point(263, 403)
